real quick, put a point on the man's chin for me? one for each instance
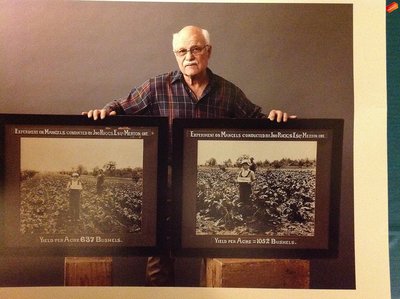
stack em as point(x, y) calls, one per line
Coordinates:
point(191, 73)
point(191, 69)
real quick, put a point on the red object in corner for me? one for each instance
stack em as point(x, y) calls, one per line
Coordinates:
point(392, 6)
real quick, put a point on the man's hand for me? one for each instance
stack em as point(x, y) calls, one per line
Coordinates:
point(279, 116)
point(98, 113)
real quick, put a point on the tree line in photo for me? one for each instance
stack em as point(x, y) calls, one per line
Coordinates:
point(109, 169)
point(282, 163)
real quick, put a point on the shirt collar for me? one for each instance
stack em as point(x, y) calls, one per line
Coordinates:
point(178, 76)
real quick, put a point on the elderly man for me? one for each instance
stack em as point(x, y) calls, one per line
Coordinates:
point(192, 92)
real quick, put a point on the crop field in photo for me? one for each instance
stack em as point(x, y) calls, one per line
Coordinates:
point(44, 207)
point(282, 202)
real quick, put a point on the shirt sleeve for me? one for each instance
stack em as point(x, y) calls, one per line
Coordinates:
point(138, 101)
point(252, 176)
point(244, 108)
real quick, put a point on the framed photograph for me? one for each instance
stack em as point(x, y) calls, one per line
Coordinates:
point(256, 188)
point(74, 186)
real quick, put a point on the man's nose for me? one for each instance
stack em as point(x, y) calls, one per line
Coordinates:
point(189, 55)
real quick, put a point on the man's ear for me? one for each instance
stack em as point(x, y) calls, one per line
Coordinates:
point(209, 51)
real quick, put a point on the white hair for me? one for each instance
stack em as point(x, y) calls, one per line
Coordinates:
point(205, 33)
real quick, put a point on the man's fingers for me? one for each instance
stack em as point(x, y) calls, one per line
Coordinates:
point(275, 115)
point(271, 115)
point(95, 114)
point(285, 117)
point(103, 113)
point(98, 113)
point(278, 116)
point(92, 114)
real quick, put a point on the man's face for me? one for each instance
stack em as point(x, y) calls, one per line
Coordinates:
point(192, 64)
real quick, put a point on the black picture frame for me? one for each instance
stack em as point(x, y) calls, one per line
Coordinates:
point(120, 211)
point(293, 209)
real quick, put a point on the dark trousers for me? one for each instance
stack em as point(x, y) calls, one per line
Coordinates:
point(160, 270)
point(74, 203)
point(244, 197)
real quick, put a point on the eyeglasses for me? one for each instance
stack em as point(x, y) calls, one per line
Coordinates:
point(196, 50)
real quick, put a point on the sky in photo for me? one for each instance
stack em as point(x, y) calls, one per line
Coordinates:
point(57, 154)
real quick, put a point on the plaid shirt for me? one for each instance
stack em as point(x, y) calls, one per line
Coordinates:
point(168, 95)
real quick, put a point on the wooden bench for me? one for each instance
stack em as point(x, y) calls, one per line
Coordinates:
point(256, 273)
point(88, 271)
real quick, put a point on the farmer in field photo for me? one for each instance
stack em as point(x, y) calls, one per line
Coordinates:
point(253, 165)
point(245, 177)
point(192, 91)
point(100, 182)
point(74, 188)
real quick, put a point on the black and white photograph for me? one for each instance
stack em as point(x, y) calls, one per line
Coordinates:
point(72, 188)
point(256, 188)
point(78, 190)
